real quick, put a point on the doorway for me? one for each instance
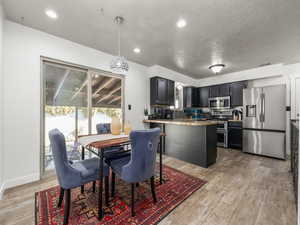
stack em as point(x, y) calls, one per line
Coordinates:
point(75, 99)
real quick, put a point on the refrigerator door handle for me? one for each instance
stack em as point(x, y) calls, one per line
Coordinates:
point(263, 107)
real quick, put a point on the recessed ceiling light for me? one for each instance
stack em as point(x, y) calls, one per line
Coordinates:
point(137, 50)
point(51, 13)
point(181, 23)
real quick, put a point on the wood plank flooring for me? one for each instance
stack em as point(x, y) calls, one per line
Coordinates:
point(242, 189)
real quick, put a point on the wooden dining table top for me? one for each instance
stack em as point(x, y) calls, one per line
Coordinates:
point(110, 142)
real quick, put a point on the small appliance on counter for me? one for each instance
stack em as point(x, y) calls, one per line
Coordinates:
point(161, 113)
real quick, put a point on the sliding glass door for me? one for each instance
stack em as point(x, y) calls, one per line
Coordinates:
point(75, 99)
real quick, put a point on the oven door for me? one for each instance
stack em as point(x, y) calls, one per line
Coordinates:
point(221, 137)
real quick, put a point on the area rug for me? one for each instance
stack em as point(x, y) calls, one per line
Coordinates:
point(176, 188)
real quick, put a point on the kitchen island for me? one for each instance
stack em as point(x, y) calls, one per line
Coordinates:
point(191, 141)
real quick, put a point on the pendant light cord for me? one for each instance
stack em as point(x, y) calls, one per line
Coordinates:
point(119, 27)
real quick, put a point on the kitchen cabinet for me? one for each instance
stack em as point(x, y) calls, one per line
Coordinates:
point(295, 98)
point(161, 91)
point(294, 154)
point(219, 90)
point(190, 97)
point(203, 95)
point(235, 134)
point(236, 93)
point(171, 92)
point(214, 91)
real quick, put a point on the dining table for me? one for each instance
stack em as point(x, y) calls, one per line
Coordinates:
point(98, 144)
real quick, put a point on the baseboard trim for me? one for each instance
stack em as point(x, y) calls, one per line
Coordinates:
point(18, 181)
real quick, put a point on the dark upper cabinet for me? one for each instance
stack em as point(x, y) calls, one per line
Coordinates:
point(190, 97)
point(214, 91)
point(224, 90)
point(161, 91)
point(236, 93)
point(203, 94)
point(171, 92)
point(219, 90)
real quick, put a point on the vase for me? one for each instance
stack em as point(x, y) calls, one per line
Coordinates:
point(127, 127)
point(115, 126)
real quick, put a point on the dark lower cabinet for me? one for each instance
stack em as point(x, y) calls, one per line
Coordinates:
point(161, 91)
point(235, 135)
point(294, 155)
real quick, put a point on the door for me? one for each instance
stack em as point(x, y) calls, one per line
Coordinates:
point(252, 108)
point(203, 96)
point(297, 98)
point(224, 90)
point(264, 143)
point(236, 93)
point(274, 103)
point(214, 91)
point(171, 92)
point(162, 91)
point(65, 107)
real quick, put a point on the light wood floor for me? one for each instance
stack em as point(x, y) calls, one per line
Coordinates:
point(242, 189)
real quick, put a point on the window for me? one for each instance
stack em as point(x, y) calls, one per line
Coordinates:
point(75, 100)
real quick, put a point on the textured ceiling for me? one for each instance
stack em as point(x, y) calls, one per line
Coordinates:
point(240, 34)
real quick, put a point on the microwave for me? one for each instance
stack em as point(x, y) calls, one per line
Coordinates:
point(219, 103)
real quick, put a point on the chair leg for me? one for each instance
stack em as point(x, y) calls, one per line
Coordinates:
point(61, 197)
point(82, 189)
point(132, 200)
point(67, 206)
point(153, 189)
point(106, 183)
point(94, 186)
point(113, 184)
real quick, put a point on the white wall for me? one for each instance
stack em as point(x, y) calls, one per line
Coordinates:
point(22, 49)
point(160, 71)
point(251, 74)
point(1, 99)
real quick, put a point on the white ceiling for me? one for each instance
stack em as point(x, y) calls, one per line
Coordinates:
point(240, 34)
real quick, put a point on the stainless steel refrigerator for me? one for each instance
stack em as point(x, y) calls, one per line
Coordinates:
point(264, 121)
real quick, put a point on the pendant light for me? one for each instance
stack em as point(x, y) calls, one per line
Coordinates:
point(119, 64)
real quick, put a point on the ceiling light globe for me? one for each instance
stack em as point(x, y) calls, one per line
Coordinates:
point(137, 50)
point(217, 68)
point(181, 23)
point(51, 14)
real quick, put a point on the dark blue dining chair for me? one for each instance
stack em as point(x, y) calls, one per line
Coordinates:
point(114, 152)
point(73, 175)
point(140, 166)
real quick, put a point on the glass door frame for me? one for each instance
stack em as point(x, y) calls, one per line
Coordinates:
point(89, 71)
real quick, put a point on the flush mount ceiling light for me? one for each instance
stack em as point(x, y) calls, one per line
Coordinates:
point(181, 23)
point(119, 64)
point(217, 68)
point(137, 50)
point(51, 14)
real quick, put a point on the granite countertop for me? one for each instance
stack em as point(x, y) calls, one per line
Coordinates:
point(185, 122)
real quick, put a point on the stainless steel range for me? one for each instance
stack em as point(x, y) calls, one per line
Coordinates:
point(221, 117)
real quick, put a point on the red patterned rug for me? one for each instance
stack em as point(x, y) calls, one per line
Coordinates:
point(177, 187)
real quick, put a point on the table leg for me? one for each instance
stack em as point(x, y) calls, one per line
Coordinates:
point(164, 138)
point(82, 157)
point(100, 192)
point(160, 160)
